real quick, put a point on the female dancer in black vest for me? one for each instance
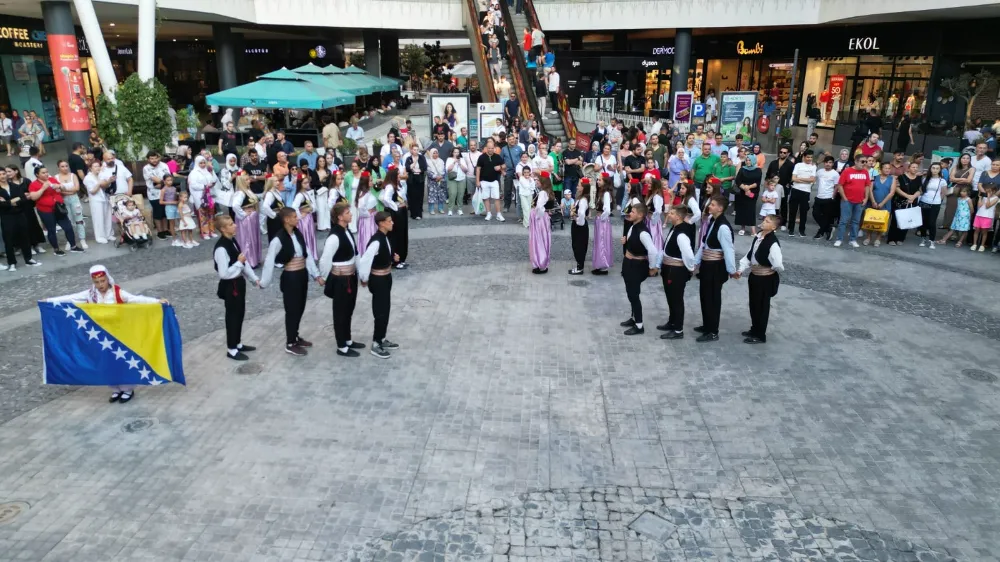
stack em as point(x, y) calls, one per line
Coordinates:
point(639, 255)
point(233, 269)
point(764, 262)
point(289, 250)
point(676, 266)
point(394, 199)
point(579, 231)
point(338, 265)
point(375, 272)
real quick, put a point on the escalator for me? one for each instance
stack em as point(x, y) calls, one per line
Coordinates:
point(472, 18)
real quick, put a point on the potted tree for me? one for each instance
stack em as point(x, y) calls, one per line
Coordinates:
point(136, 122)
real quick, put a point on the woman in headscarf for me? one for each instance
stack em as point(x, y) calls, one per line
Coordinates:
point(437, 188)
point(758, 155)
point(227, 118)
point(201, 181)
point(747, 181)
point(104, 291)
point(227, 185)
point(245, 206)
point(322, 189)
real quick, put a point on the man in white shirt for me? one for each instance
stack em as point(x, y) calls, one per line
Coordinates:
point(553, 90)
point(803, 177)
point(655, 128)
point(355, 133)
point(824, 206)
point(734, 151)
point(32, 164)
point(980, 163)
point(471, 159)
point(541, 162)
point(153, 173)
point(115, 169)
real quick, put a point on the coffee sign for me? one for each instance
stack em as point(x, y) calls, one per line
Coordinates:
point(862, 44)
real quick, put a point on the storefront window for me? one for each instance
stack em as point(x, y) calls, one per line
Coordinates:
point(771, 78)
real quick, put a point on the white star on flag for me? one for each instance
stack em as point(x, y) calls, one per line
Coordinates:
point(81, 323)
point(106, 344)
point(93, 333)
point(156, 382)
point(70, 311)
point(144, 373)
point(133, 363)
point(120, 353)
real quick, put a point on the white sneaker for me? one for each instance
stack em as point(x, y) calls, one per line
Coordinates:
point(854, 244)
point(12, 268)
point(784, 228)
point(460, 213)
point(83, 244)
point(38, 250)
point(177, 243)
point(923, 243)
point(500, 218)
point(188, 245)
point(195, 243)
point(931, 246)
point(837, 244)
point(489, 216)
point(101, 240)
point(742, 233)
point(449, 213)
point(68, 246)
point(974, 248)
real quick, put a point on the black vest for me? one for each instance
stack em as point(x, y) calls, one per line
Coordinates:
point(232, 248)
point(712, 241)
point(346, 250)
point(587, 213)
point(277, 204)
point(673, 250)
point(762, 250)
point(287, 251)
point(633, 245)
point(383, 258)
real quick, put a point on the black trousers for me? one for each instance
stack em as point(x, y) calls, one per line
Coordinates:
point(896, 234)
point(294, 287)
point(580, 236)
point(675, 278)
point(712, 274)
point(273, 227)
point(930, 214)
point(783, 211)
point(762, 288)
point(344, 292)
point(798, 207)
point(635, 272)
point(234, 294)
point(400, 235)
point(415, 197)
point(508, 192)
point(35, 233)
point(823, 214)
point(380, 287)
point(16, 236)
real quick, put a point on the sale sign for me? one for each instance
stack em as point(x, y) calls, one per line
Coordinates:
point(70, 89)
point(837, 82)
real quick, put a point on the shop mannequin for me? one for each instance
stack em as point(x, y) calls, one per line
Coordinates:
point(824, 99)
point(836, 108)
point(911, 102)
point(890, 106)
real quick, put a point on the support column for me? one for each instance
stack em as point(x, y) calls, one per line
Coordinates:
point(576, 41)
point(225, 55)
point(682, 63)
point(373, 55)
point(147, 39)
point(389, 44)
point(70, 89)
point(95, 42)
point(620, 40)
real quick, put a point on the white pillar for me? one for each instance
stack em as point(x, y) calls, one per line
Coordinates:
point(98, 49)
point(147, 39)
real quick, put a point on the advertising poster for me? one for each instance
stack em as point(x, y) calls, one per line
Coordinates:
point(683, 105)
point(453, 109)
point(488, 122)
point(837, 82)
point(69, 82)
point(736, 115)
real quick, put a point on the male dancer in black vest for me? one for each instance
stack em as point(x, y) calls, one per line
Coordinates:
point(764, 262)
point(716, 264)
point(233, 270)
point(288, 249)
point(639, 252)
point(375, 272)
point(338, 265)
point(676, 266)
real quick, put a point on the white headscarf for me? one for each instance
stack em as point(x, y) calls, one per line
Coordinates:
point(95, 295)
point(199, 179)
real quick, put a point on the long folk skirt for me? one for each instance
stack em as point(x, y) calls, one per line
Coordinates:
point(602, 243)
point(540, 239)
point(248, 237)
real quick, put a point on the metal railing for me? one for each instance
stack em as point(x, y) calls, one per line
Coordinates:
point(518, 70)
point(486, 87)
point(565, 114)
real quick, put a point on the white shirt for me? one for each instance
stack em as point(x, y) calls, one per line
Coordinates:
point(108, 297)
point(606, 204)
point(541, 163)
point(92, 183)
point(121, 172)
point(387, 197)
point(986, 210)
point(365, 264)
point(734, 153)
point(272, 254)
point(581, 212)
point(456, 166)
point(330, 248)
point(685, 245)
point(826, 183)
point(525, 186)
point(769, 200)
point(148, 173)
point(932, 191)
point(227, 271)
point(711, 102)
point(357, 134)
point(608, 164)
point(33, 164)
point(773, 255)
point(554, 82)
point(6, 127)
point(803, 170)
point(979, 166)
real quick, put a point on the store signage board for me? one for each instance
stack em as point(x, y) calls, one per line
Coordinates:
point(65, 58)
point(683, 104)
point(699, 110)
point(491, 108)
point(659, 51)
point(736, 115)
point(863, 44)
point(744, 50)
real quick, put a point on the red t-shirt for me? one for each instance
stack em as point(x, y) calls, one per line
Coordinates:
point(854, 181)
point(868, 150)
point(47, 202)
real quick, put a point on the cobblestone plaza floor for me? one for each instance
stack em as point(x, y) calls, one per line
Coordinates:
point(516, 422)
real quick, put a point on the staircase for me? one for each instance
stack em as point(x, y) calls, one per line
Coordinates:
point(551, 124)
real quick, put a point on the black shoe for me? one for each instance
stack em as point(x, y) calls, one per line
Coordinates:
point(600, 272)
point(634, 331)
point(240, 356)
point(115, 397)
point(665, 327)
point(818, 235)
point(356, 345)
point(746, 334)
point(536, 271)
point(162, 235)
point(377, 351)
point(707, 337)
point(802, 233)
point(303, 343)
point(59, 253)
point(627, 323)
point(126, 396)
point(543, 271)
point(76, 250)
point(700, 329)
point(247, 348)
point(349, 353)
point(386, 344)
point(829, 236)
point(672, 335)
point(754, 339)
point(295, 349)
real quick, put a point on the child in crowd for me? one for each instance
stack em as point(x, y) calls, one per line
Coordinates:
point(134, 222)
point(567, 203)
point(168, 198)
point(961, 223)
point(983, 222)
point(186, 222)
point(769, 199)
point(526, 188)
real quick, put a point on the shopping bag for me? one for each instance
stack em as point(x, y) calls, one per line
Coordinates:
point(875, 220)
point(478, 207)
point(908, 218)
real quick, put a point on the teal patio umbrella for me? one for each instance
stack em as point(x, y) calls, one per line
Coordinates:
point(354, 84)
point(281, 91)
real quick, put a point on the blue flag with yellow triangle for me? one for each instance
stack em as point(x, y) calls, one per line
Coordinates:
point(110, 344)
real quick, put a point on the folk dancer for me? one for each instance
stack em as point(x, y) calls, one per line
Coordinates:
point(234, 268)
point(579, 231)
point(393, 198)
point(244, 205)
point(272, 205)
point(375, 272)
point(338, 264)
point(540, 232)
point(105, 291)
point(716, 264)
point(603, 253)
point(676, 266)
point(640, 257)
point(654, 202)
point(288, 249)
point(366, 203)
point(304, 203)
point(764, 261)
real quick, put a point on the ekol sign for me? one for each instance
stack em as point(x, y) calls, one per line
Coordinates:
point(862, 44)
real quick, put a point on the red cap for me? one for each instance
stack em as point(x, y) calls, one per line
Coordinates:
point(544, 174)
point(391, 167)
point(585, 181)
point(714, 181)
point(365, 174)
point(605, 175)
point(633, 181)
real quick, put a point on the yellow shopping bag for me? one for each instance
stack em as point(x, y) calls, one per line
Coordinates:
point(876, 220)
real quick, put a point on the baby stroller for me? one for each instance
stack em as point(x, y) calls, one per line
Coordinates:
point(130, 224)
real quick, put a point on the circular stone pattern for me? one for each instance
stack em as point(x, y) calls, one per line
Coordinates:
point(979, 375)
point(858, 334)
point(250, 369)
point(11, 510)
point(579, 283)
point(636, 524)
point(135, 426)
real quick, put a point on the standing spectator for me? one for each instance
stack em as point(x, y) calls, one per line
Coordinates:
point(961, 176)
point(116, 170)
point(457, 171)
point(854, 188)
point(541, 90)
point(537, 42)
point(823, 206)
point(489, 170)
point(931, 195)
point(677, 164)
point(702, 167)
point(44, 191)
point(331, 135)
point(573, 160)
point(553, 81)
point(748, 180)
point(511, 110)
point(257, 171)
point(511, 154)
point(416, 170)
point(782, 167)
point(355, 132)
point(7, 133)
point(228, 139)
point(906, 133)
point(77, 164)
point(980, 164)
point(153, 173)
point(803, 177)
point(873, 122)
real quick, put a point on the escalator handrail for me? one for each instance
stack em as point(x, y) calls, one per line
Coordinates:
point(569, 124)
point(519, 71)
point(487, 91)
